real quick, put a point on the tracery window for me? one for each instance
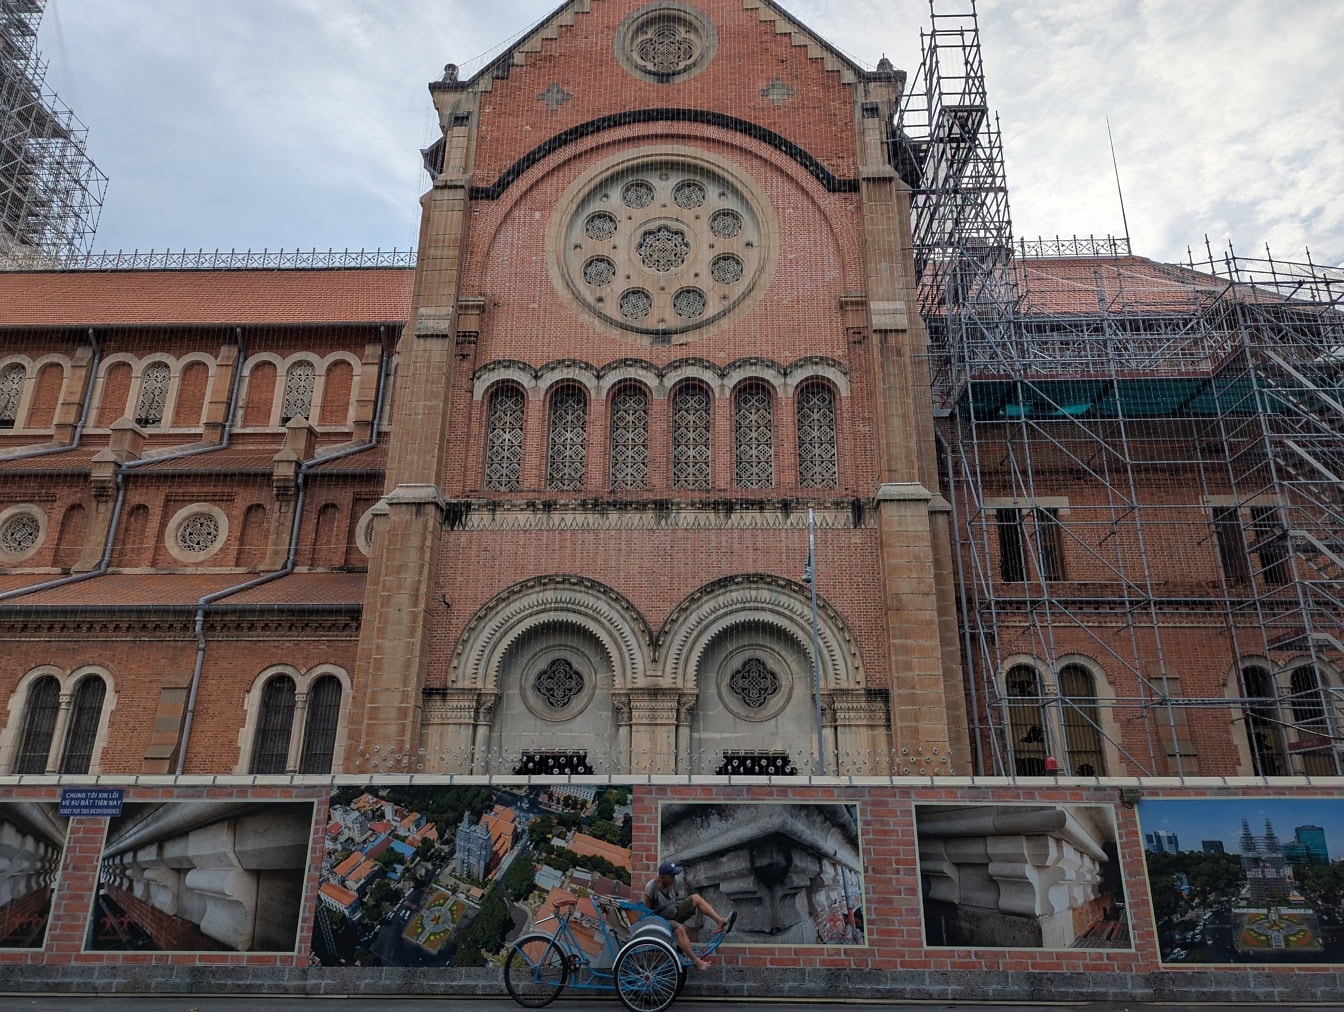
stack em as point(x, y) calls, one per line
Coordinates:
point(1264, 733)
point(153, 394)
point(559, 683)
point(85, 712)
point(299, 383)
point(754, 683)
point(504, 439)
point(1026, 721)
point(198, 533)
point(567, 453)
point(753, 437)
point(270, 750)
point(319, 733)
point(818, 463)
point(20, 534)
point(1082, 739)
point(691, 437)
point(39, 725)
point(11, 392)
point(630, 437)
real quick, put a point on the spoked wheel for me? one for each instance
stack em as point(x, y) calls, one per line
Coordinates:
point(648, 975)
point(535, 971)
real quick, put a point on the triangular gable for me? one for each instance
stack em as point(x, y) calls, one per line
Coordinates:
point(550, 27)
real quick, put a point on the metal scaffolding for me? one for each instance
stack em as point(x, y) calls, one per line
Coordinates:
point(1145, 463)
point(51, 193)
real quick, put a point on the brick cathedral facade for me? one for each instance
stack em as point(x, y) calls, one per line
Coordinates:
point(545, 498)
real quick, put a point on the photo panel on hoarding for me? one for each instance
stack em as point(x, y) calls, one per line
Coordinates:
point(202, 876)
point(32, 846)
point(791, 872)
point(451, 875)
point(1021, 876)
point(1246, 880)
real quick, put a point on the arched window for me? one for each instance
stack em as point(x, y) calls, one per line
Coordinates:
point(1081, 736)
point(1264, 734)
point(270, 751)
point(39, 724)
point(299, 382)
point(690, 437)
point(630, 437)
point(319, 734)
point(1313, 724)
point(1026, 721)
point(11, 392)
point(818, 464)
point(153, 394)
point(753, 437)
point(567, 452)
point(85, 711)
point(504, 439)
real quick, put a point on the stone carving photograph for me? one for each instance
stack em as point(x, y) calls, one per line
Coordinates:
point(449, 876)
point(1021, 876)
point(1250, 880)
point(792, 873)
point(202, 876)
point(32, 843)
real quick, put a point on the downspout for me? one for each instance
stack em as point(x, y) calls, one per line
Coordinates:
point(83, 411)
point(106, 560)
point(209, 599)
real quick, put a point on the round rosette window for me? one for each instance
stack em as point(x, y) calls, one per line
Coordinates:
point(663, 247)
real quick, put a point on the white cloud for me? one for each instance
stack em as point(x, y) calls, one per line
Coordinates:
point(298, 122)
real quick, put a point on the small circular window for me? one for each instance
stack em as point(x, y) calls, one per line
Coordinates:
point(665, 42)
point(661, 245)
point(23, 529)
point(196, 532)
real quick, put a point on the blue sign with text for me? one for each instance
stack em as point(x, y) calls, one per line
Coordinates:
point(95, 801)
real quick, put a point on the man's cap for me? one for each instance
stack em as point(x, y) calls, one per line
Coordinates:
point(669, 868)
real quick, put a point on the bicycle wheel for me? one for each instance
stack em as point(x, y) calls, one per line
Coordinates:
point(648, 975)
point(535, 971)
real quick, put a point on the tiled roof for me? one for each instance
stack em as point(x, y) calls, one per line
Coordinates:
point(1122, 284)
point(71, 460)
point(226, 461)
point(89, 298)
point(177, 589)
point(586, 845)
point(305, 588)
point(373, 458)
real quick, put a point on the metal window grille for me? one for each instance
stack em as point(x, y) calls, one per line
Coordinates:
point(504, 440)
point(545, 761)
point(753, 437)
point(299, 383)
point(690, 437)
point(153, 394)
point(1231, 547)
point(1263, 734)
point(85, 711)
point(754, 683)
point(630, 438)
point(1012, 558)
point(39, 724)
point(1081, 737)
point(818, 461)
point(1026, 721)
point(567, 453)
point(11, 392)
point(275, 723)
point(559, 683)
point(1051, 535)
point(756, 764)
point(319, 735)
point(1269, 545)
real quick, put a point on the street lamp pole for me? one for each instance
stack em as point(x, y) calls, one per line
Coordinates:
point(810, 574)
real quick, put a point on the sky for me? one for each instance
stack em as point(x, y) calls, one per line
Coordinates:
point(1195, 821)
point(298, 123)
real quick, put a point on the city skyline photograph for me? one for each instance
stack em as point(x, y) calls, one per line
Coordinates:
point(1196, 820)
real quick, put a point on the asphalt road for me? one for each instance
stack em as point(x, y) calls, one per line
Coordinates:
point(261, 1003)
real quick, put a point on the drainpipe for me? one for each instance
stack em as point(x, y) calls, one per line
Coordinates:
point(83, 411)
point(209, 599)
point(106, 560)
